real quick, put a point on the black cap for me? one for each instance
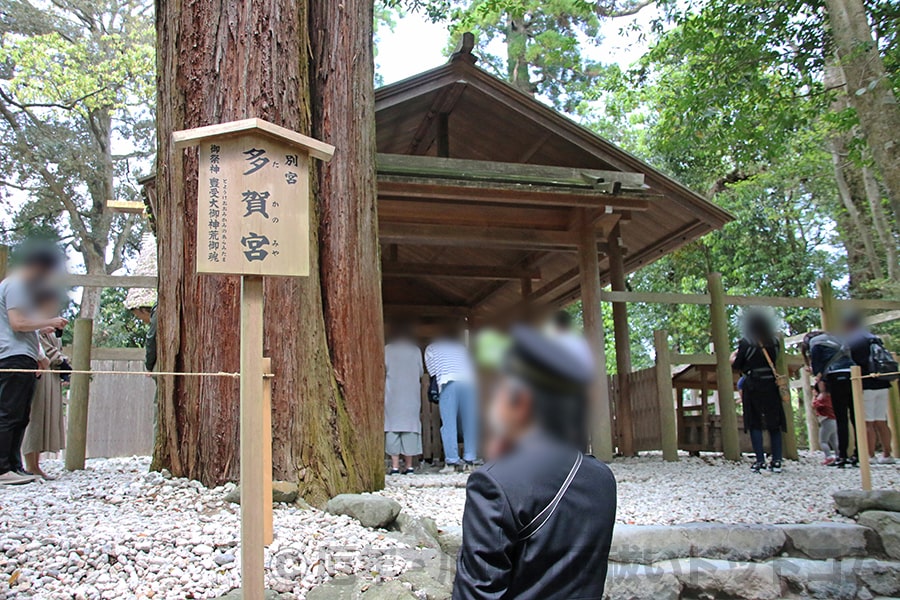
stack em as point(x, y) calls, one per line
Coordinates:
point(546, 362)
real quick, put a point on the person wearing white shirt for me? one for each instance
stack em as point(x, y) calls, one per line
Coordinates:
point(447, 359)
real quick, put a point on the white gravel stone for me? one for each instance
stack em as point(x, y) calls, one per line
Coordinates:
point(116, 531)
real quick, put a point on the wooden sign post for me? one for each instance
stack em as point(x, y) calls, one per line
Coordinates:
point(253, 220)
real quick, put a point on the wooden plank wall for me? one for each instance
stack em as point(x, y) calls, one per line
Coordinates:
point(120, 412)
point(644, 408)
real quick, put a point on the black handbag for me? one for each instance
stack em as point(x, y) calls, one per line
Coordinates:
point(434, 390)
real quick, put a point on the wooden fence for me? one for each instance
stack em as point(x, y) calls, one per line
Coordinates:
point(644, 408)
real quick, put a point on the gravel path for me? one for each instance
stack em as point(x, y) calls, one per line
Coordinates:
point(117, 531)
point(706, 488)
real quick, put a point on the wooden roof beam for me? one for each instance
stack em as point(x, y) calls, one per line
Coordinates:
point(426, 310)
point(443, 104)
point(469, 272)
point(393, 187)
point(476, 237)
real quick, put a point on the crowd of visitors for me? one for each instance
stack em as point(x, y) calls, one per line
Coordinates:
point(829, 357)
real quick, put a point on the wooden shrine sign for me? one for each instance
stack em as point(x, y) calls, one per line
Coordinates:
point(253, 197)
point(253, 220)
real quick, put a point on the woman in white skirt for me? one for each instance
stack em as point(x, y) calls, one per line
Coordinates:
point(46, 427)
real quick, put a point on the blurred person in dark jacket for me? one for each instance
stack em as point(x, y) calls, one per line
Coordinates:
point(525, 535)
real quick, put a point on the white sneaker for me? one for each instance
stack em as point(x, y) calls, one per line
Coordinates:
point(449, 469)
point(885, 460)
point(11, 478)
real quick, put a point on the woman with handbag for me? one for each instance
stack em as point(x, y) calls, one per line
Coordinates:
point(762, 399)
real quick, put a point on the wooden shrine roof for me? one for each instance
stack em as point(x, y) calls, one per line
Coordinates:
point(478, 188)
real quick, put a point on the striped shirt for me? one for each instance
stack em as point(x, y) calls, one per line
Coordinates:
point(449, 360)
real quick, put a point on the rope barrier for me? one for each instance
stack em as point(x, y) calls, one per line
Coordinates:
point(140, 373)
point(874, 375)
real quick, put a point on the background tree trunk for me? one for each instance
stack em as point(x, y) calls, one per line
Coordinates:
point(868, 89)
point(220, 61)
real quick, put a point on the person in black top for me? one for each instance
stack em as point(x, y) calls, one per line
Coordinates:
point(755, 358)
point(539, 515)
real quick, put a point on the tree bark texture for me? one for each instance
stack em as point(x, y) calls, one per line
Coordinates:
point(220, 61)
point(868, 89)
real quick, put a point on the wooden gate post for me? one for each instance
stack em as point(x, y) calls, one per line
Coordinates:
point(827, 309)
point(862, 441)
point(79, 393)
point(812, 423)
point(589, 271)
point(253, 485)
point(790, 438)
point(4, 258)
point(622, 336)
point(724, 374)
point(894, 416)
point(267, 451)
point(667, 424)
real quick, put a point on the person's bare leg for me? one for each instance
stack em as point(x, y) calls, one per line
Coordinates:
point(870, 433)
point(410, 461)
point(395, 461)
point(32, 463)
point(884, 434)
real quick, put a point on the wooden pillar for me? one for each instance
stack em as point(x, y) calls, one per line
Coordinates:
point(79, 394)
point(862, 441)
point(790, 437)
point(624, 421)
point(443, 135)
point(812, 423)
point(827, 308)
point(589, 270)
point(724, 375)
point(894, 418)
point(253, 479)
point(4, 258)
point(667, 423)
point(704, 410)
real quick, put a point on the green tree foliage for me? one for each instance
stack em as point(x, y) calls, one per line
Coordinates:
point(115, 325)
point(538, 45)
point(77, 85)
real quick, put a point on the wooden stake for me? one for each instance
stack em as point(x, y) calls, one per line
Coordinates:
point(79, 392)
point(790, 437)
point(862, 442)
point(267, 451)
point(724, 374)
point(253, 534)
point(667, 423)
point(589, 270)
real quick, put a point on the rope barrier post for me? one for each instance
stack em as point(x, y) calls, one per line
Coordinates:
point(790, 437)
point(267, 450)
point(862, 441)
point(253, 477)
point(718, 317)
point(79, 392)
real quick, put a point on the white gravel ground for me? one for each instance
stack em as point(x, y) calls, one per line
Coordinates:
point(706, 488)
point(117, 531)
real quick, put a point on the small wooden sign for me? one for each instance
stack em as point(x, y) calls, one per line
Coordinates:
point(253, 197)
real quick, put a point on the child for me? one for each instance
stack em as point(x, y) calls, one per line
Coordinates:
point(828, 438)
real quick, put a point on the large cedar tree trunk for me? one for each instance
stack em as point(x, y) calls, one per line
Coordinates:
point(868, 89)
point(220, 61)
